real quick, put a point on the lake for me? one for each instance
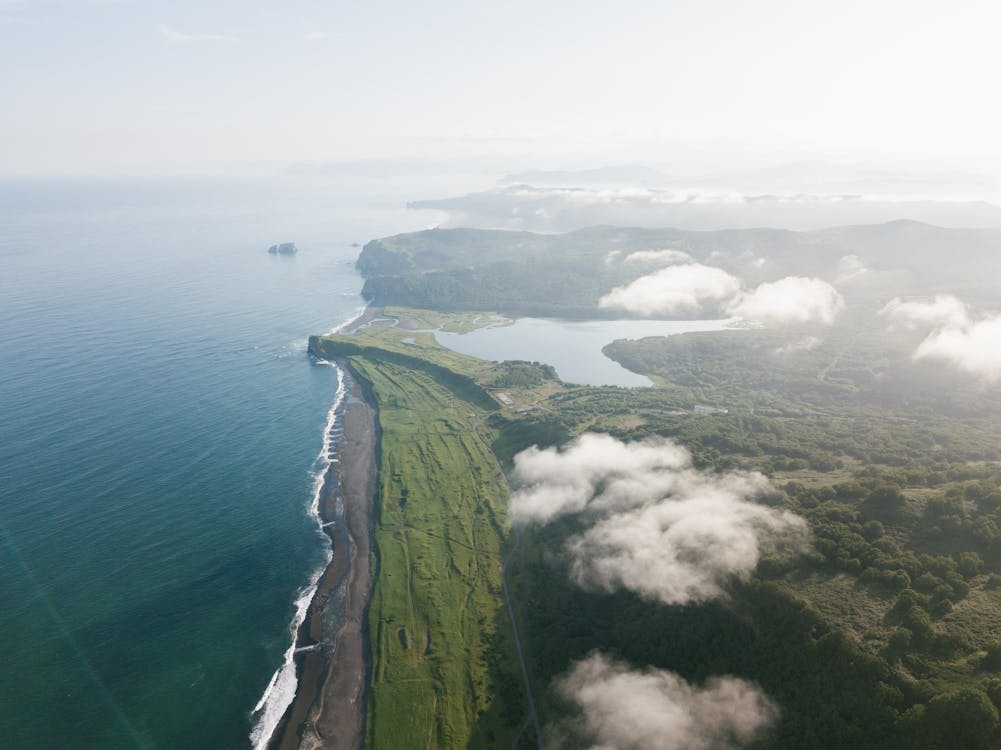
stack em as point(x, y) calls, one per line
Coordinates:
point(573, 347)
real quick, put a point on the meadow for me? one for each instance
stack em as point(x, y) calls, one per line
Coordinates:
point(444, 669)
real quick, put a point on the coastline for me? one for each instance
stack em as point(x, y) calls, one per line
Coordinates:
point(332, 655)
point(366, 316)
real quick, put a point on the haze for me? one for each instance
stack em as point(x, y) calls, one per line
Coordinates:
point(106, 87)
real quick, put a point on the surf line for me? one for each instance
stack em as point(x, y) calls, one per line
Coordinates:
point(281, 690)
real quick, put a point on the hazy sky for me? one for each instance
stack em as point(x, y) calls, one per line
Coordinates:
point(92, 86)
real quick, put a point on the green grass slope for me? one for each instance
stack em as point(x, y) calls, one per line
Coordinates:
point(444, 671)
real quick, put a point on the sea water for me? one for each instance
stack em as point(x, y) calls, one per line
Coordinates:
point(160, 425)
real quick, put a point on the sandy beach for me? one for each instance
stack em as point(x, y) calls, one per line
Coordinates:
point(329, 706)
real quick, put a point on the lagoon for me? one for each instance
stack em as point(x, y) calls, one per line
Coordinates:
point(573, 347)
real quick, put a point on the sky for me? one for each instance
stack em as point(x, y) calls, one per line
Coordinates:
point(122, 86)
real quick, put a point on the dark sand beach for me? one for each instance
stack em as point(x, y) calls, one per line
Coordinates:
point(329, 706)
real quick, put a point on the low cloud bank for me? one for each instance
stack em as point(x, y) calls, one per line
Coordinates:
point(794, 299)
point(680, 288)
point(654, 709)
point(851, 268)
point(944, 310)
point(805, 344)
point(655, 525)
point(690, 286)
point(662, 257)
point(974, 348)
point(958, 336)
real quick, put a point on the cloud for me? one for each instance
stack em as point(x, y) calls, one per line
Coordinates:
point(794, 299)
point(626, 709)
point(805, 344)
point(314, 36)
point(959, 337)
point(555, 482)
point(944, 310)
point(673, 289)
point(612, 256)
point(850, 268)
point(654, 524)
point(176, 37)
point(660, 257)
point(972, 347)
point(686, 287)
point(679, 550)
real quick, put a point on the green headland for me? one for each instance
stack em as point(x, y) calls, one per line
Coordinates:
point(883, 633)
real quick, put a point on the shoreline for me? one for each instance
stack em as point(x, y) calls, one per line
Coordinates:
point(366, 316)
point(332, 654)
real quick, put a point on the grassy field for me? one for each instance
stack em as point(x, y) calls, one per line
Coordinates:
point(444, 669)
point(431, 320)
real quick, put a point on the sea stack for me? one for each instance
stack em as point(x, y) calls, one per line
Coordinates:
point(284, 248)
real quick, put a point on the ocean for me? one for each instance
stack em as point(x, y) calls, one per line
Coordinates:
point(161, 429)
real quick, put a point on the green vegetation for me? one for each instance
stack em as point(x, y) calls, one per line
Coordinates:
point(883, 635)
point(430, 320)
point(444, 669)
point(564, 275)
point(897, 473)
point(511, 272)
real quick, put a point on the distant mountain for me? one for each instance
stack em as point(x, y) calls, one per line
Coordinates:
point(602, 176)
point(565, 274)
point(570, 206)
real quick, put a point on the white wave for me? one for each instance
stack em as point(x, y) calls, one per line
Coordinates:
point(279, 694)
point(357, 314)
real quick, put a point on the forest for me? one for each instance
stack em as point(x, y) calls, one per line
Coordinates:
point(880, 630)
point(881, 633)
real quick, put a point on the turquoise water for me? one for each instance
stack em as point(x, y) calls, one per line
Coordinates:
point(160, 428)
point(573, 347)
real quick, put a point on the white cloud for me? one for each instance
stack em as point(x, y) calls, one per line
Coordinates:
point(626, 709)
point(794, 299)
point(660, 257)
point(944, 310)
point(612, 257)
point(851, 268)
point(656, 525)
point(673, 289)
point(314, 36)
point(557, 481)
point(680, 549)
point(974, 348)
point(805, 344)
point(174, 36)
point(957, 336)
